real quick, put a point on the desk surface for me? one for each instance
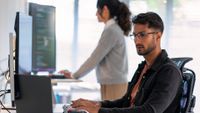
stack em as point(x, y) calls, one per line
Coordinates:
point(57, 108)
point(55, 81)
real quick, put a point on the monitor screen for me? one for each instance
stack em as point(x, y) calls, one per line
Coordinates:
point(44, 43)
point(23, 49)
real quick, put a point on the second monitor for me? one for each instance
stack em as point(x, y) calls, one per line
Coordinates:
point(43, 38)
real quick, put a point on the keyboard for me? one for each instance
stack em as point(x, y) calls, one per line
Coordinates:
point(57, 76)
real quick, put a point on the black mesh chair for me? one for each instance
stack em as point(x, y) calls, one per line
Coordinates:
point(187, 101)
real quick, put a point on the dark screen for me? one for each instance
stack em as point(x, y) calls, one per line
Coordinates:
point(44, 43)
point(35, 94)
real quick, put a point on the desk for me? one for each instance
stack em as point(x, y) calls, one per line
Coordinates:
point(57, 108)
point(55, 81)
point(4, 111)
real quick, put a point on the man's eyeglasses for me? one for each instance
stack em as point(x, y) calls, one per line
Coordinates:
point(141, 35)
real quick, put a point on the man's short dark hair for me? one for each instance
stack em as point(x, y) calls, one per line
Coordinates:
point(152, 19)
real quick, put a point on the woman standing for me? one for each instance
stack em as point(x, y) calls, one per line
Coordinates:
point(110, 56)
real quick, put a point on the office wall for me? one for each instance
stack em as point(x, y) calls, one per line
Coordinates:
point(7, 17)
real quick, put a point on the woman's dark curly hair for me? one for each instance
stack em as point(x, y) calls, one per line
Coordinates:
point(118, 10)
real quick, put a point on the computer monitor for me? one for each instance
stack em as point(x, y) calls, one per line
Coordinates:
point(20, 58)
point(35, 94)
point(23, 49)
point(35, 48)
point(44, 41)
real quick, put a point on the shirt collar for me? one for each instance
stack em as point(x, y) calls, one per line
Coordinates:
point(109, 23)
point(158, 61)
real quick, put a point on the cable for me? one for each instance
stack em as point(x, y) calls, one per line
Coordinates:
point(5, 91)
point(3, 73)
point(3, 107)
point(6, 74)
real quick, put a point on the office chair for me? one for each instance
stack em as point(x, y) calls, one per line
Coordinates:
point(187, 100)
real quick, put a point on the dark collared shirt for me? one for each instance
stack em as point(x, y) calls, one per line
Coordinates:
point(159, 90)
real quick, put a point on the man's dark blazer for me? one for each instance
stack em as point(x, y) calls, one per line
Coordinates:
point(159, 91)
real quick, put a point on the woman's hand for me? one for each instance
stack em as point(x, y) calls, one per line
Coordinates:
point(66, 73)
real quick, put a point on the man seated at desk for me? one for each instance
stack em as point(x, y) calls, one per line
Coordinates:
point(155, 85)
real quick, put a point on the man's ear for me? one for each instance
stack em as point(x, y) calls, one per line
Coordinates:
point(159, 35)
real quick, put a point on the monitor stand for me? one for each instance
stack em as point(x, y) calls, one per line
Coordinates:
point(11, 68)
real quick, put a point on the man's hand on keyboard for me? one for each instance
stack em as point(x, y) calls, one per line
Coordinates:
point(88, 105)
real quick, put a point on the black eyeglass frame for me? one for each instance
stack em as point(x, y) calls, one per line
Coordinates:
point(141, 35)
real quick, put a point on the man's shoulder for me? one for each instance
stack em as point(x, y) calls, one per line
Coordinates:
point(169, 64)
point(170, 67)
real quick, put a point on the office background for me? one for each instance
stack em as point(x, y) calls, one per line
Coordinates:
point(77, 32)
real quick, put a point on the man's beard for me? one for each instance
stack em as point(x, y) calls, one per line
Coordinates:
point(145, 52)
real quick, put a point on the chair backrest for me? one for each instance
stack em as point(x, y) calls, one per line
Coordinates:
point(187, 101)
